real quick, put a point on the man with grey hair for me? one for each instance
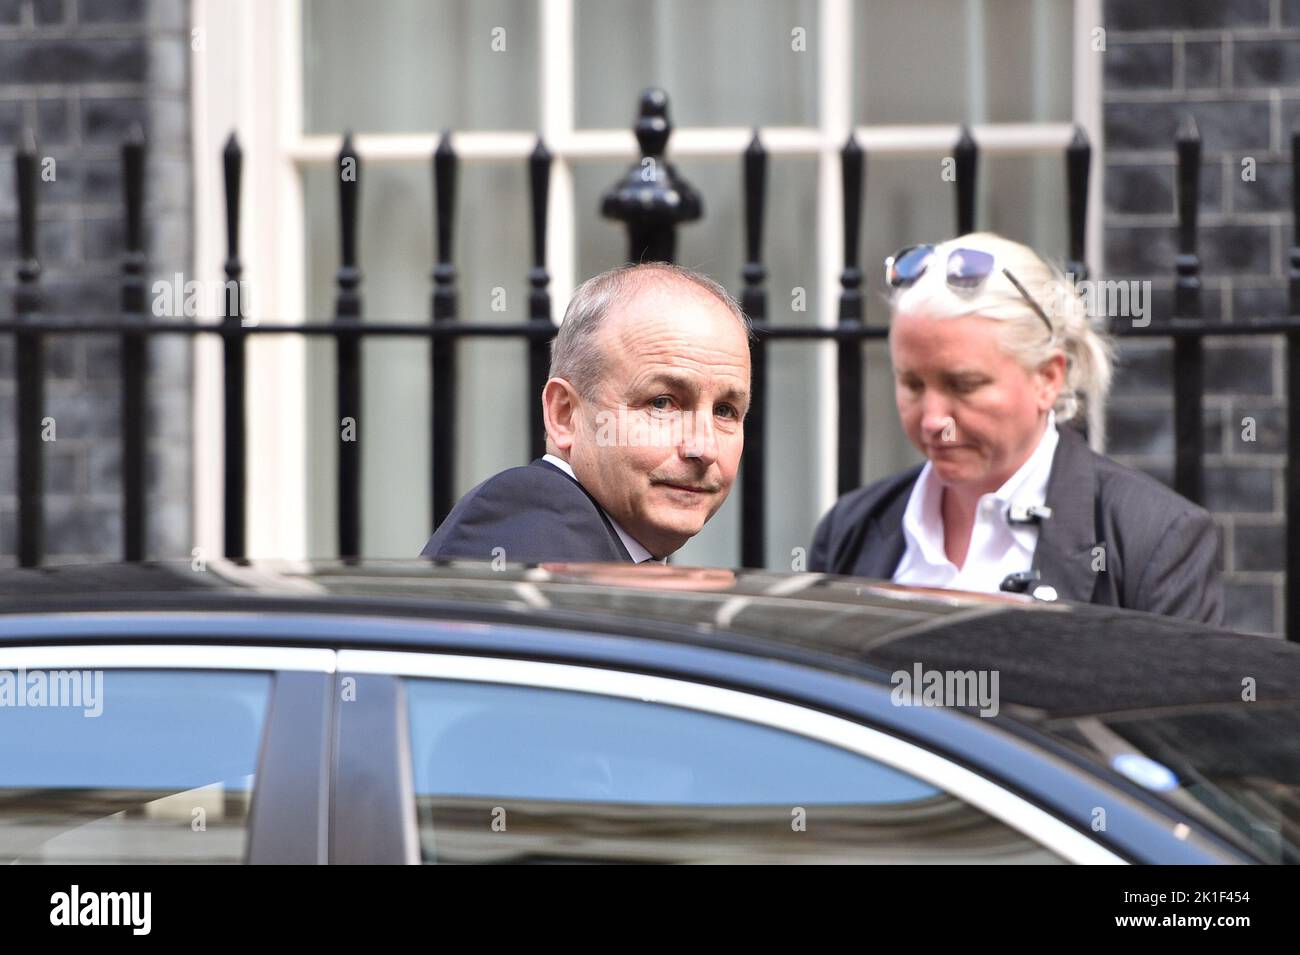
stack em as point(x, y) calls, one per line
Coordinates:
point(644, 411)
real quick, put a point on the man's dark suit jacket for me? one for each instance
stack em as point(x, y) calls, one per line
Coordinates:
point(1161, 551)
point(535, 513)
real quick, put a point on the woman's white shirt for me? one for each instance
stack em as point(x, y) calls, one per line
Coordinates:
point(997, 547)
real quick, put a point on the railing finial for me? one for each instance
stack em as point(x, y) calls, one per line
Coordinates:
point(652, 199)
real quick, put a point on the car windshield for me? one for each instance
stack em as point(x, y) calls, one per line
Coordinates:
point(1235, 767)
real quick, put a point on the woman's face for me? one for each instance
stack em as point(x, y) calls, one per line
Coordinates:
point(967, 405)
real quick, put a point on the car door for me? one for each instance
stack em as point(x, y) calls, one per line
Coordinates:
point(163, 752)
point(461, 758)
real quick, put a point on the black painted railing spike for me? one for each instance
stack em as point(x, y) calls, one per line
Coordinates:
point(134, 365)
point(347, 313)
point(232, 164)
point(965, 156)
point(539, 180)
point(348, 170)
point(133, 170)
point(852, 162)
point(1292, 351)
point(234, 491)
point(442, 351)
point(539, 297)
point(1188, 264)
point(29, 359)
point(851, 376)
point(1078, 162)
point(445, 167)
point(133, 161)
point(25, 179)
point(1189, 356)
point(1293, 274)
point(755, 172)
point(753, 300)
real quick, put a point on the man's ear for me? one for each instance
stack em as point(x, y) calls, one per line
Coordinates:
point(560, 409)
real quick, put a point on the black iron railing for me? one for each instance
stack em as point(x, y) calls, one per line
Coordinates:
point(651, 200)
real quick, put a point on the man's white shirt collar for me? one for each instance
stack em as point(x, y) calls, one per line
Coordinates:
point(997, 547)
point(638, 553)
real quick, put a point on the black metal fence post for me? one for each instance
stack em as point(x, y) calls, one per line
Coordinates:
point(29, 354)
point(347, 317)
point(652, 198)
point(753, 300)
point(442, 414)
point(1188, 351)
point(851, 378)
point(966, 160)
point(232, 352)
point(135, 359)
point(539, 299)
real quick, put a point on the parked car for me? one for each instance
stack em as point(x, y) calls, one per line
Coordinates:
point(409, 711)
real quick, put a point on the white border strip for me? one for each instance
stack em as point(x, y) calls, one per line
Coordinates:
point(1011, 809)
point(165, 657)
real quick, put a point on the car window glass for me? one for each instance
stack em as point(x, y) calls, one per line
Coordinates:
point(520, 774)
point(128, 766)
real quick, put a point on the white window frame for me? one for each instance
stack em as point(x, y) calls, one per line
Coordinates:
point(260, 59)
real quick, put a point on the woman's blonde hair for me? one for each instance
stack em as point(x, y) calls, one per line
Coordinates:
point(1088, 350)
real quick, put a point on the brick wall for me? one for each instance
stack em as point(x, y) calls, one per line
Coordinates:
point(80, 73)
point(1233, 65)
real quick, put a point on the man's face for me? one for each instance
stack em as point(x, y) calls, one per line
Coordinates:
point(659, 442)
point(967, 405)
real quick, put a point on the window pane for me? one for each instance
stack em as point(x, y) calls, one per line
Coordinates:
point(519, 774)
point(419, 65)
point(722, 62)
point(1024, 198)
point(163, 772)
point(1001, 62)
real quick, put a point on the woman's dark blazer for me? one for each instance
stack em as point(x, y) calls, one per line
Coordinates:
point(1158, 551)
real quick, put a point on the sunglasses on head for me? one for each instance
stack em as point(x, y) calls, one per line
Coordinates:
point(967, 269)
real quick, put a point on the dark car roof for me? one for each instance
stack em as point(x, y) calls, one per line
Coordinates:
point(1053, 660)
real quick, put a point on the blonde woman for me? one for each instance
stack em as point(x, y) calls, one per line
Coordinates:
point(993, 355)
